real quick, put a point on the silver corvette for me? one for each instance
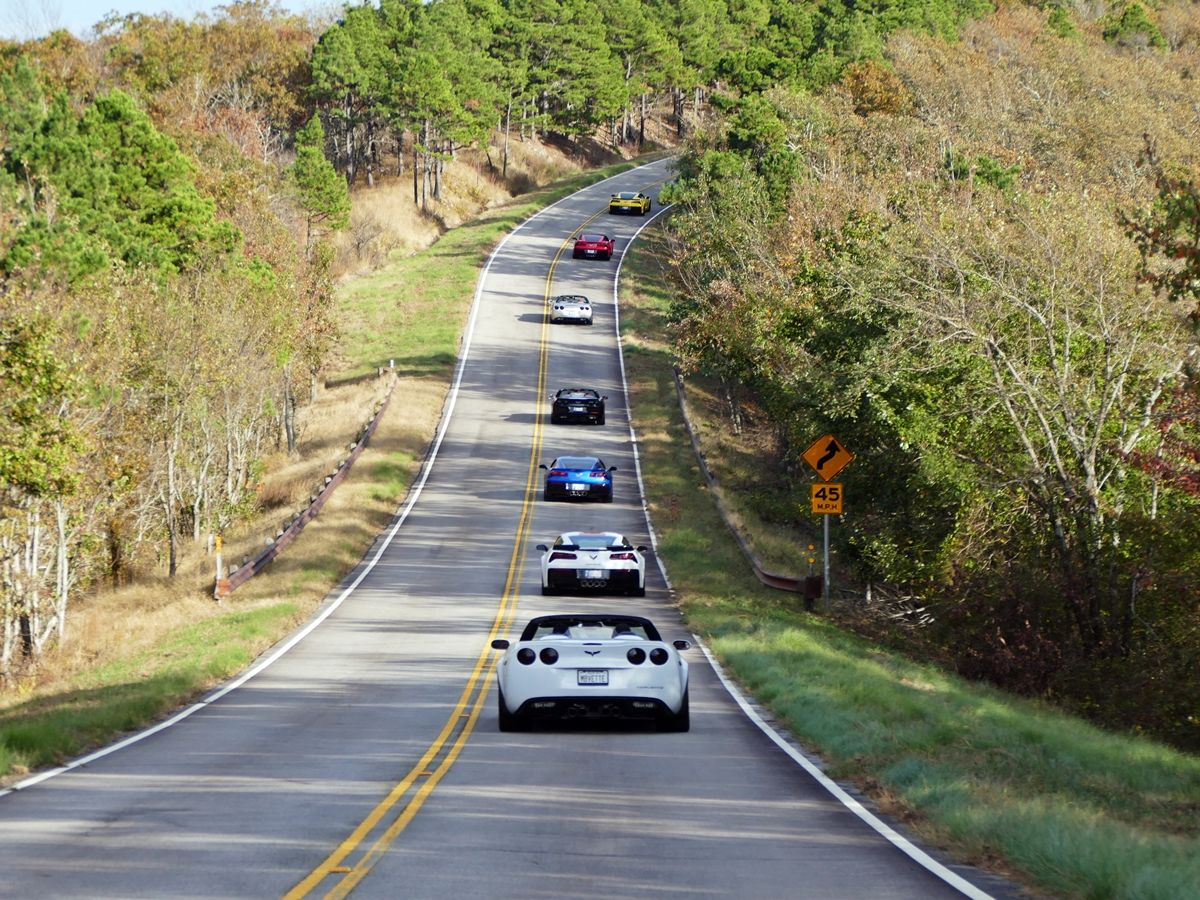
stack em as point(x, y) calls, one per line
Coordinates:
point(594, 665)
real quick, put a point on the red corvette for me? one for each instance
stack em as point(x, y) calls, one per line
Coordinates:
point(593, 246)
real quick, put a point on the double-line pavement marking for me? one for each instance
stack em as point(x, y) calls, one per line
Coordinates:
point(442, 754)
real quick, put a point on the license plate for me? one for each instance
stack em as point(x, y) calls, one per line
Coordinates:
point(578, 409)
point(592, 676)
point(576, 487)
point(594, 574)
point(590, 252)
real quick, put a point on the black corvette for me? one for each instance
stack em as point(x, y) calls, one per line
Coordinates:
point(578, 405)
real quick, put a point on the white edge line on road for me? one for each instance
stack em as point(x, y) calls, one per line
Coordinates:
point(413, 496)
point(916, 854)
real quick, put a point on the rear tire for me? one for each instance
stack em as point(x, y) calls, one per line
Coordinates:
point(509, 721)
point(548, 591)
point(680, 721)
point(600, 421)
point(608, 255)
point(637, 592)
point(607, 498)
point(546, 496)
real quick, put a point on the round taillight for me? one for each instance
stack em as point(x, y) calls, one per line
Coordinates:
point(525, 656)
point(658, 656)
point(636, 655)
point(549, 655)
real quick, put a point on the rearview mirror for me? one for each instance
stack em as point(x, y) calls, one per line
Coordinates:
point(642, 548)
point(678, 645)
point(542, 466)
point(542, 547)
point(612, 468)
point(502, 643)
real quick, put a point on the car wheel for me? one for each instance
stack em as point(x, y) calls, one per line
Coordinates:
point(608, 255)
point(637, 591)
point(600, 420)
point(546, 495)
point(548, 591)
point(510, 721)
point(587, 321)
point(575, 254)
point(680, 721)
point(555, 420)
point(607, 498)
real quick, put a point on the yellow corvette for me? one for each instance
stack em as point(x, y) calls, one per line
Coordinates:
point(629, 202)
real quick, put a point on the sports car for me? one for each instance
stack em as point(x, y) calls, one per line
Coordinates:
point(593, 246)
point(629, 202)
point(592, 666)
point(595, 561)
point(571, 308)
point(577, 405)
point(578, 477)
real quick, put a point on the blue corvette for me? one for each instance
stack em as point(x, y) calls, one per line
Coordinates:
point(582, 477)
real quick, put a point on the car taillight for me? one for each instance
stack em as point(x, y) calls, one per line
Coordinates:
point(628, 556)
point(559, 554)
point(525, 656)
point(658, 656)
point(559, 473)
point(549, 655)
point(636, 655)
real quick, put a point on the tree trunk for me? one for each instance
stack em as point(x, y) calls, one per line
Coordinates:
point(289, 410)
point(507, 129)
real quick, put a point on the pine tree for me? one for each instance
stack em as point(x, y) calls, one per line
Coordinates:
point(323, 193)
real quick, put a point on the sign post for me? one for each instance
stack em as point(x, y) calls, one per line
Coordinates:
point(827, 457)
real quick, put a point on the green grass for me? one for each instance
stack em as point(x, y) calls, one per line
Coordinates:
point(134, 691)
point(421, 333)
point(1079, 811)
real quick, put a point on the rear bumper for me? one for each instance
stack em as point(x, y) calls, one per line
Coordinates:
point(560, 492)
point(593, 707)
point(569, 580)
point(561, 415)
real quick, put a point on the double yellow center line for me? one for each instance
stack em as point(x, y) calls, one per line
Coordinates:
point(354, 858)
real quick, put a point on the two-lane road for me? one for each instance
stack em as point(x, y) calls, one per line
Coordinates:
point(367, 758)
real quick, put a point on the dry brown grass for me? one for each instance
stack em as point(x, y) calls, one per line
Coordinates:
point(385, 222)
point(119, 623)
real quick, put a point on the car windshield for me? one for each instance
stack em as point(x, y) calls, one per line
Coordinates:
point(571, 301)
point(578, 394)
point(590, 628)
point(597, 541)
point(627, 195)
point(593, 238)
point(577, 462)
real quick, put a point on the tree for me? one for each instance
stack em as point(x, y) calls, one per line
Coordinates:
point(1167, 234)
point(322, 193)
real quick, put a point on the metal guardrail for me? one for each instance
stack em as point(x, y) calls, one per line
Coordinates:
point(774, 580)
point(223, 587)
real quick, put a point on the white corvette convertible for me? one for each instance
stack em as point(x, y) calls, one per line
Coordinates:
point(597, 561)
point(592, 665)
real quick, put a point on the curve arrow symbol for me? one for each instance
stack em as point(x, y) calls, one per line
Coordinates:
point(831, 450)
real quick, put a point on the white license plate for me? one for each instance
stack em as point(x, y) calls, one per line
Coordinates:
point(578, 409)
point(590, 252)
point(592, 676)
point(594, 574)
point(572, 486)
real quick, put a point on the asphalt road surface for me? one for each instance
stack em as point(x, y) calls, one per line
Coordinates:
point(367, 758)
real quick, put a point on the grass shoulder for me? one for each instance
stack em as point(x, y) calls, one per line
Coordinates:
point(1000, 781)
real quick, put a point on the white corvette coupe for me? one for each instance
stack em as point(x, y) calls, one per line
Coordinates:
point(597, 561)
point(593, 665)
